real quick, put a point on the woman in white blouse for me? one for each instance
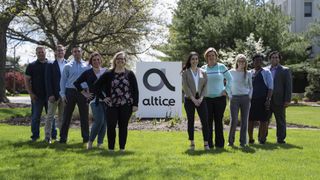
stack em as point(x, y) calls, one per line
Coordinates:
point(241, 93)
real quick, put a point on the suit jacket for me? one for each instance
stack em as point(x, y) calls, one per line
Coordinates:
point(282, 85)
point(189, 86)
point(53, 76)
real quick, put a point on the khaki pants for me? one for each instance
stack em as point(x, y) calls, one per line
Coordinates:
point(52, 108)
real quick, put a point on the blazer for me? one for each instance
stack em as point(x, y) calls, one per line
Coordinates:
point(282, 85)
point(53, 76)
point(189, 86)
point(104, 84)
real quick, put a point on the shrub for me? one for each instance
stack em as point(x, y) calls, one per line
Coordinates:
point(14, 78)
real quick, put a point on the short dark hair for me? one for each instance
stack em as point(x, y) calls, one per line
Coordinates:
point(256, 56)
point(275, 52)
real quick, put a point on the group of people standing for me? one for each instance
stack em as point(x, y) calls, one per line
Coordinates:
point(111, 93)
point(113, 96)
point(256, 93)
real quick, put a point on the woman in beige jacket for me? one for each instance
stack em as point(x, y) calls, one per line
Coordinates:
point(195, 87)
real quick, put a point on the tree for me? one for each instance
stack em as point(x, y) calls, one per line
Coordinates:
point(198, 25)
point(104, 25)
point(8, 10)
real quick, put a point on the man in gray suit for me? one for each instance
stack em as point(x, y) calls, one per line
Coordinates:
point(281, 96)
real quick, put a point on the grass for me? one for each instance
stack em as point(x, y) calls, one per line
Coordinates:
point(300, 115)
point(7, 113)
point(157, 155)
point(304, 115)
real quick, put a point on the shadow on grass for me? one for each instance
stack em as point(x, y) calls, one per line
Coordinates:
point(246, 149)
point(274, 146)
point(74, 147)
point(201, 152)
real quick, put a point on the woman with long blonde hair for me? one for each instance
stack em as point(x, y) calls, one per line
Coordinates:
point(240, 97)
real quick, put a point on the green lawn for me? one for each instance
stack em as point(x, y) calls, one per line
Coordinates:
point(7, 113)
point(304, 115)
point(158, 155)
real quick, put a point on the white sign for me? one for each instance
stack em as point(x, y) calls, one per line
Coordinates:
point(160, 89)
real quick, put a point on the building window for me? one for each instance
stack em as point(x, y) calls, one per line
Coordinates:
point(307, 9)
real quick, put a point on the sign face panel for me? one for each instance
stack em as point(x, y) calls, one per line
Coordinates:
point(160, 89)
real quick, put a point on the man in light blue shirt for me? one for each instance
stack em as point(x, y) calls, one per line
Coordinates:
point(71, 96)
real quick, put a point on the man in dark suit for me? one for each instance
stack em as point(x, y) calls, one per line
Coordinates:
point(53, 76)
point(281, 96)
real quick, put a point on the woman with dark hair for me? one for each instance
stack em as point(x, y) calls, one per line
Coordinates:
point(218, 88)
point(260, 103)
point(194, 82)
point(98, 109)
point(119, 90)
point(241, 93)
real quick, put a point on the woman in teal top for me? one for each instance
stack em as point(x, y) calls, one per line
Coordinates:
point(218, 88)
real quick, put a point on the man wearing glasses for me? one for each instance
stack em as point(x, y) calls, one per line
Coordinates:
point(53, 76)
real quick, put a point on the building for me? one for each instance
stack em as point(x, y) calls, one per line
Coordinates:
point(303, 13)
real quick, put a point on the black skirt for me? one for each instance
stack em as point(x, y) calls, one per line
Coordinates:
point(258, 110)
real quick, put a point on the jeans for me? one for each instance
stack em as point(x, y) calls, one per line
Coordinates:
point(36, 111)
point(99, 125)
point(242, 103)
point(52, 107)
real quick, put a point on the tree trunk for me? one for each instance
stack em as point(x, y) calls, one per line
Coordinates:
point(4, 23)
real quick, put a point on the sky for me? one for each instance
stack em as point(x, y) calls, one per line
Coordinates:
point(163, 9)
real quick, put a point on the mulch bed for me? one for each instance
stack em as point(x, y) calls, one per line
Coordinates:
point(134, 124)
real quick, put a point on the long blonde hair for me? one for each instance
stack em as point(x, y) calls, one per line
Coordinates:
point(242, 56)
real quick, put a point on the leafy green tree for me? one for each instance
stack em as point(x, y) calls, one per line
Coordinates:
point(198, 25)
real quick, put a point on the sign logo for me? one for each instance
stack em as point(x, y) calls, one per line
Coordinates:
point(164, 80)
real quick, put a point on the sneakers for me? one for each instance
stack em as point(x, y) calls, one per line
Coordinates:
point(192, 147)
point(99, 146)
point(89, 145)
point(48, 140)
point(122, 150)
point(206, 147)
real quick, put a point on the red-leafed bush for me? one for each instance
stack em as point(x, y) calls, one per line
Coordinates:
point(17, 78)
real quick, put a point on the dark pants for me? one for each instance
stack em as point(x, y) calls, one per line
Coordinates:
point(75, 97)
point(118, 115)
point(203, 114)
point(216, 107)
point(36, 111)
point(280, 116)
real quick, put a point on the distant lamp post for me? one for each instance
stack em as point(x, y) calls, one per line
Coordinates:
point(14, 68)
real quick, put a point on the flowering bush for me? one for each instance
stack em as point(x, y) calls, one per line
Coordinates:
point(14, 78)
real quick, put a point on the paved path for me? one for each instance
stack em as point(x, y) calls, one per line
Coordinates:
point(20, 99)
